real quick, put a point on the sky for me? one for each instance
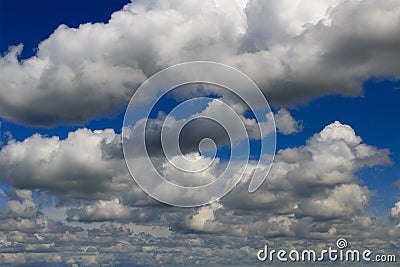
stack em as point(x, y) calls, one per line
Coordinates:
point(329, 70)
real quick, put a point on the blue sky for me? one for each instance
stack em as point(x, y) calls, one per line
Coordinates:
point(312, 72)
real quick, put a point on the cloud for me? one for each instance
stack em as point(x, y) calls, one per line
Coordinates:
point(59, 92)
point(105, 211)
point(293, 50)
point(22, 216)
point(87, 165)
point(78, 167)
point(313, 193)
point(211, 168)
point(322, 168)
point(22, 207)
point(343, 201)
point(286, 124)
point(204, 219)
point(161, 133)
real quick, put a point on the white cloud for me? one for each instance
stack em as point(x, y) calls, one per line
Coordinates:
point(329, 160)
point(312, 193)
point(292, 49)
point(285, 123)
point(204, 220)
point(210, 167)
point(105, 211)
point(343, 201)
point(81, 166)
point(23, 207)
point(87, 165)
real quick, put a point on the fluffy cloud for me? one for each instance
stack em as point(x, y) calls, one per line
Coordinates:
point(22, 207)
point(293, 50)
point(214, 121)
point(195, 161)
point(285, 123)
point(343, 201)
point(204, 219)
point(312, 193)
point(21, 216)
point(62, 93)
point(105, 211)
point(87, 165)
point(322, 171)
point(81, 166)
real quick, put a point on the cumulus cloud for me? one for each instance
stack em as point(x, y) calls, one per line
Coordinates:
point(79, 166)
point(342, 201)
point(218, 219)
point(105, 211)
point(286, 124)
point(162, 132)
point(204, 219)
point(293, 50)
point(62, 93)
point(87, 165)
point(322, 171)
point(197, 162)
point(312, 193)
point(22, 207)
point(22, 216)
